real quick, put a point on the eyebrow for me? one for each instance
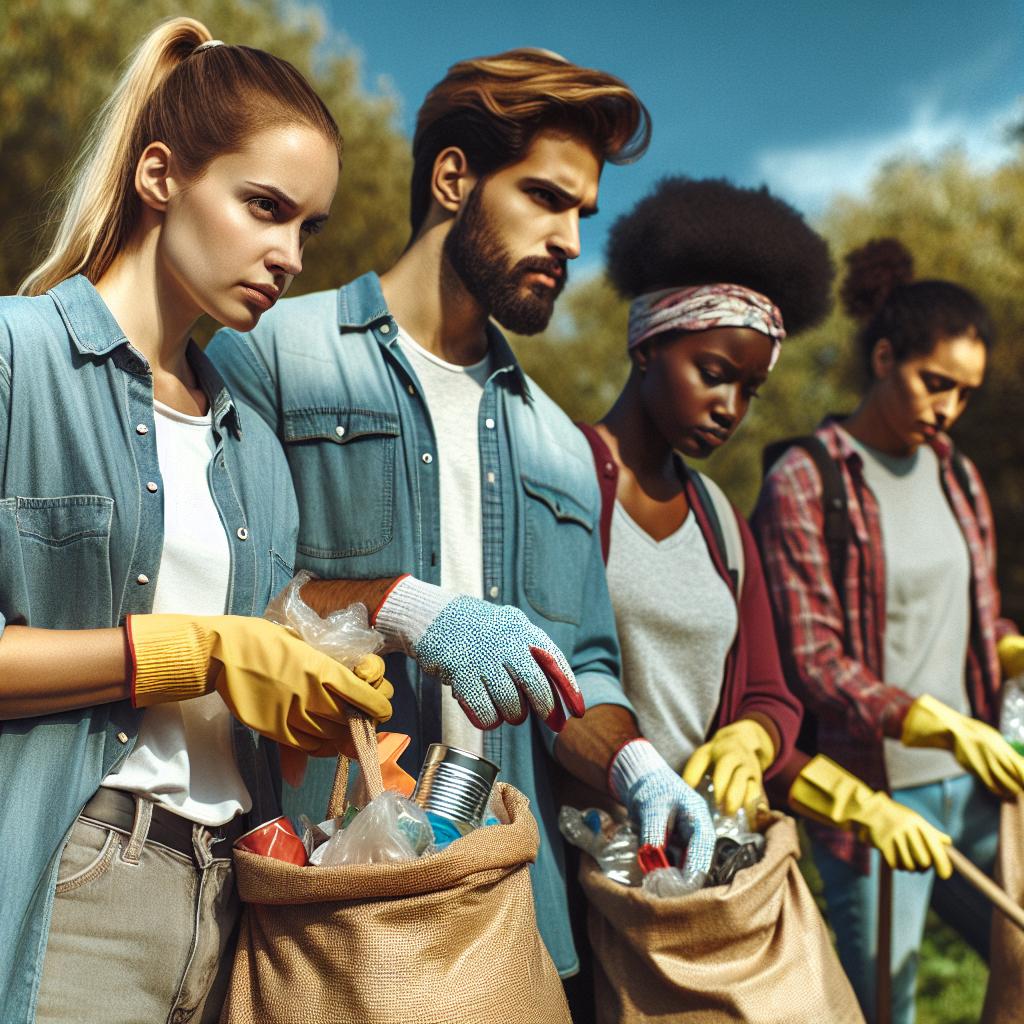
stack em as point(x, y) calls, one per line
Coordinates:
point(320, 218)
point(566, 196)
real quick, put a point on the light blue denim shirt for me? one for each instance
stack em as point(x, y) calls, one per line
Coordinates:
point(326, 372)
point(81, 536)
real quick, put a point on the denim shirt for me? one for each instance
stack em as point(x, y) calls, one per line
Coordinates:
point(326, 372)
point(81, 536)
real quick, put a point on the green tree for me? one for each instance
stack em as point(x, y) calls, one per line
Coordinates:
point(61, 58)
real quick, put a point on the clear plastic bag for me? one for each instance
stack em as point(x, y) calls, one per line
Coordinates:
point(669, 883)
point(388, 829)
point(613, 846)
point(1011, 717)
point(345, 635)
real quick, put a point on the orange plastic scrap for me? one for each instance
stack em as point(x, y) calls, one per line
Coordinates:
point(390, 746)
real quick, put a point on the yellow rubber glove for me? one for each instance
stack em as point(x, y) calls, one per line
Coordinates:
point(270, 679)
point(738, 755)
point(1011, 656)
point(828, 793)
point(977, 746)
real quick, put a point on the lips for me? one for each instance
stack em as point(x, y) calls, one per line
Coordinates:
point(711, 438)
point(262, 295)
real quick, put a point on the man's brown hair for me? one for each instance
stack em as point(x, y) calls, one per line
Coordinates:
point(492, 107)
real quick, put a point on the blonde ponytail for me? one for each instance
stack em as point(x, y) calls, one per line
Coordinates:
point(200, 104)
point(94, 195)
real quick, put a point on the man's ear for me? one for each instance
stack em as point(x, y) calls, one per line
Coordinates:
point(452, 180)
point(153, 176)
point(883, 359)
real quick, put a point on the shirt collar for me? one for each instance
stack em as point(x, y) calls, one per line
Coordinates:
point(843, 448)
point(361, 306)
point(92, 326)
point(95, 332)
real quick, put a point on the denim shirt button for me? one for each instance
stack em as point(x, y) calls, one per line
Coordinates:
point(339, 430)
point(242, 533)
point(427, 458)
point(142, 429)
point(152, 487)
point(489, 423)
point(490, 477)
point(385, 328)
point(122, 737)
point(411, 389)
point(494, 592)
point(142, 579)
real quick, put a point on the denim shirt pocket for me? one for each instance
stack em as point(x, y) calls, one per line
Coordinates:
point(281, 573)
point(65, 543)
point(558, 542)
point(343, 466)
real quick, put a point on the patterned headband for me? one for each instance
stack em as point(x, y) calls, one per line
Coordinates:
point(703, 307)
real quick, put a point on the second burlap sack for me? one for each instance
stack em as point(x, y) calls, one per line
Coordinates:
point(756, 950)
point(448, 939)
point(1004, 997)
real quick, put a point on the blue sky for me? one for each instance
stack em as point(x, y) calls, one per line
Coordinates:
point(806, 96)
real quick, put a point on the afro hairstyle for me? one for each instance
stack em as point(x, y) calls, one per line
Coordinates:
point(709, 231)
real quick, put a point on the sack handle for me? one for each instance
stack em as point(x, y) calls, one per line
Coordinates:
point(364, 739)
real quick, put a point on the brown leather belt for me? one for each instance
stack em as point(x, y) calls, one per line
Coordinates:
point(115, 808)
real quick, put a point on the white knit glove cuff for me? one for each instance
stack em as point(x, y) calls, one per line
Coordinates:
point(635, 760)
point(407, 611)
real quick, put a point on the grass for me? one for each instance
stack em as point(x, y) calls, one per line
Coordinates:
point(951, 978)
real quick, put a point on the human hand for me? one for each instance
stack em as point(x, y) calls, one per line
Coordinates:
point(497, 662)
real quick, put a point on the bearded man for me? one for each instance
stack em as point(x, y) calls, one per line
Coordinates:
point(417, 445)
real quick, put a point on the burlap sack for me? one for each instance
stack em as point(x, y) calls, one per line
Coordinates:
point(1004, 997)
point(448, 939)
point(756, 950)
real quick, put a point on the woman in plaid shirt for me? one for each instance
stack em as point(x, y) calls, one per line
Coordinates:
point(902, 668)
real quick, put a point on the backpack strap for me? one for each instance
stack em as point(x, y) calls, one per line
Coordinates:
point(607, 480)
point(963, 478)
point(833, 502)
point(722, 517)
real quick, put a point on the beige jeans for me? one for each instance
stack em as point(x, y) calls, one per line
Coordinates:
point(140, 932)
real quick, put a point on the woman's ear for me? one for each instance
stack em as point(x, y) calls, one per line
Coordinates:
point(452, 180)
point(640, 357)
point(153, 176)
point(883, 359)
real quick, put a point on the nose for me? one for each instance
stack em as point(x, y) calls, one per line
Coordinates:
point(730, 408)
point(286, 255)
point(947, 408)
point(565, 240)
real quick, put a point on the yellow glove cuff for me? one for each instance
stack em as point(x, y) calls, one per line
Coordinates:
point(170, 657)
point(1011, 656)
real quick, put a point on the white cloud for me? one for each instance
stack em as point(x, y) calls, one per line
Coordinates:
point(809, 175)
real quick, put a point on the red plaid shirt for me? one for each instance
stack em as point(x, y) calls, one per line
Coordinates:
point(834, 663)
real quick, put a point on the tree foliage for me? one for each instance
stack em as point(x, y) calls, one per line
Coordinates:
point(61, 58)
point(959, 223)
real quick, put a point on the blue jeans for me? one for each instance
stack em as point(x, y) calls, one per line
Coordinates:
point(964, 809)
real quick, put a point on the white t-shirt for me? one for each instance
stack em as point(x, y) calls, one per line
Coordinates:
point(452, 394)
point(677, 620)
point(183, 758)
point(927, 598)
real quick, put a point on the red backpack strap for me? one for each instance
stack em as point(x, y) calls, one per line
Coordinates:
point(607, 481)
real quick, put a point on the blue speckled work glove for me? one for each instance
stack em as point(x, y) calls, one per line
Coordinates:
point(658, 800)
point(492, 656)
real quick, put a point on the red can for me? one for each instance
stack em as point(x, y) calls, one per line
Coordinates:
point(275, 839)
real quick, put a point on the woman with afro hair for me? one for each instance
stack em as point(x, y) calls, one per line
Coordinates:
point(718, 275)
point(899, 661)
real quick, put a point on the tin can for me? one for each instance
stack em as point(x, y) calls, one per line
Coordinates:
point(455, 784)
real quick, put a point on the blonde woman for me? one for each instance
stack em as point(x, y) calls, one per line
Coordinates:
point(145, 520)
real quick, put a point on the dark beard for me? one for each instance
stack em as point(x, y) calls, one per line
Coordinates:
point(485, 269)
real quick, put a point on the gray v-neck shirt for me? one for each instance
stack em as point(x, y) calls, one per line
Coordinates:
point(927, 598)
point(676, 620)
